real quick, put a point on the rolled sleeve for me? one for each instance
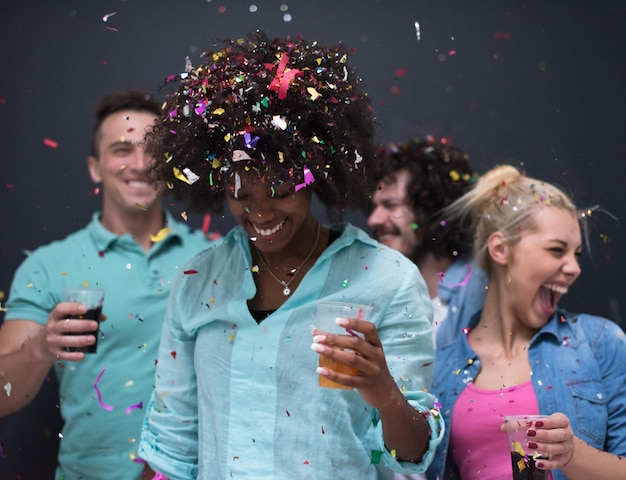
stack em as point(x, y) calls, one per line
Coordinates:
point(169, 440)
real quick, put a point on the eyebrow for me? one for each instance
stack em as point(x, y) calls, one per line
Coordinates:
point(564, 243)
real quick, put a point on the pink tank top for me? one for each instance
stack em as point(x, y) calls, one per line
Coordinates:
point(478, 447)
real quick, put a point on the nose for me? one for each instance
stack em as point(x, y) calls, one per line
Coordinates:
point(259, 207)
point(377, 217)
point(572, 266)
point(140, 159)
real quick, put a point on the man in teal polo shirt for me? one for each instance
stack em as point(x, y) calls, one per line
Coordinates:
point(132, 249)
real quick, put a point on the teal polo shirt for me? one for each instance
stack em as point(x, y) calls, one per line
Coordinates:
point(101, 436)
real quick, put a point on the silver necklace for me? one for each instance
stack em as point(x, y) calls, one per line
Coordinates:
point(287, 290)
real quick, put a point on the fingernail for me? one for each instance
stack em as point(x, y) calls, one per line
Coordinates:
point(539, 423)
point(539, 464)
point(316, 347)
point(531, 433)
point(532, 445)
point(319, 338)
point(341, 321)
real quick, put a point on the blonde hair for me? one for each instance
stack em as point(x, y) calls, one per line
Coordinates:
point(504, 200)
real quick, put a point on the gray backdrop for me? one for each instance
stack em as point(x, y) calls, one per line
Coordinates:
point(538, 84)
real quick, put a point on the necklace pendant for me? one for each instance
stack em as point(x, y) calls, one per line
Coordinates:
point(286, 291)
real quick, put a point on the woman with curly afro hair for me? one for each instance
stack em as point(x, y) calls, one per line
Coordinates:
point(261, 126)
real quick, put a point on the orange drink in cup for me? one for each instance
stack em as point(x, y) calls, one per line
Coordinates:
point(327, 313)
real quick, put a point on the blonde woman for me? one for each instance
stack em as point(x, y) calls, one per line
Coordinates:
point(524, 355)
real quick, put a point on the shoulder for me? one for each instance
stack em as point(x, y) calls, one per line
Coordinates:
point(56, 250)
point(602, 334)
point(596, 328)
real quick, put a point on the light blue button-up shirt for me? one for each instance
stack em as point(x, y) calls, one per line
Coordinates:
point(99, 439)
point(237, 399)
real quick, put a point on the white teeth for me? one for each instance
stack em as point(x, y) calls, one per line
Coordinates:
point(269, 231)
point(556, 288)
point(138, 184)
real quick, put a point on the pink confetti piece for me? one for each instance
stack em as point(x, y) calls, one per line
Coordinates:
point(133, 407)
point(283, 78)
point(206, 223)
point(50, 143)
point(308, 179)
point(190, 272)
point(465, 280)
point(99, 393)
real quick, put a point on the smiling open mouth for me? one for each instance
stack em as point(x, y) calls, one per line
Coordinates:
point(266, 232)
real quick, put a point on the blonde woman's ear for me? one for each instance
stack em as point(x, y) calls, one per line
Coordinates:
point(498, 248)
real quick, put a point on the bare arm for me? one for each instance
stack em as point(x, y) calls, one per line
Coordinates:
point(28, 350)
point(24, 363)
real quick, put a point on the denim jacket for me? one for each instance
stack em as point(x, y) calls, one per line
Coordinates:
point(463, 288)
point(578, 368)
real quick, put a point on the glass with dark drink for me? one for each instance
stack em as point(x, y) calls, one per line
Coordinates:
point(92, 298)
point(522, 458)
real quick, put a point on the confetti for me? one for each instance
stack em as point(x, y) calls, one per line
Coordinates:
point(206, 223)
point(375, 457)
point(465, 280)
point(308, 179)
point(283, 78)
point(7, 388)
point(108, 15)
point(50, 143)
point(164, 232)
point(133, 407)
point(99, 393)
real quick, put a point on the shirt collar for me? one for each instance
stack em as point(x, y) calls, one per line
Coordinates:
point(105, 238)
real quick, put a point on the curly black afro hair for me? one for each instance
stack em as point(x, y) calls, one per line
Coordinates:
point(282, 108)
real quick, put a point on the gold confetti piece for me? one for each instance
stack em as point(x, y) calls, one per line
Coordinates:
point(314, 93)
point(164, 232)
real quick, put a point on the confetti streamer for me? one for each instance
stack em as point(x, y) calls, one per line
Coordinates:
point(99, 393)
point(206, 224)
point(283, 78)
point(108, 15)
point(133, 407)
